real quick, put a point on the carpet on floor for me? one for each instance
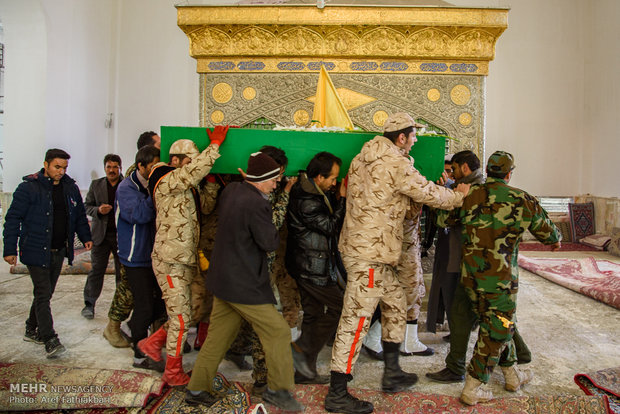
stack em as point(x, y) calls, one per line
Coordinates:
point(566, 247)
point(313, 396)
point(235, 401)
point(26, 387)
point(599, 279)
point(605, 382)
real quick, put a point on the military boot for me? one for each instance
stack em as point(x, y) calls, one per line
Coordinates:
point(338, 399)
point(394, 378)
point(112, 333)
point(473, 393)
point(516, 377)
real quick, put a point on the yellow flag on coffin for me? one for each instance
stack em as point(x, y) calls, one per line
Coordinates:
point(328, 107)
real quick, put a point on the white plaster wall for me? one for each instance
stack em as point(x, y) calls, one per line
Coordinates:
point(23, 135)
point(535, 95)
point(601, 133)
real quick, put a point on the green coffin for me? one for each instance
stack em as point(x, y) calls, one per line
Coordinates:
point(300, 147)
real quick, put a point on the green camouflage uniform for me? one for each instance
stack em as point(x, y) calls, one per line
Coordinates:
point(494, 217)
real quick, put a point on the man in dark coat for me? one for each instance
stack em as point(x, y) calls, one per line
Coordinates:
point(314, 221)
point(46, 213)
point(99, 205)
point(239, 280)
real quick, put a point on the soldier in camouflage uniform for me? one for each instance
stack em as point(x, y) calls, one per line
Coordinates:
point(122, 302)
point(382, 183)
point(179, 203)
point(494, 216)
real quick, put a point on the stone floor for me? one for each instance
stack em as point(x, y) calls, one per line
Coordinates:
point(567, 332)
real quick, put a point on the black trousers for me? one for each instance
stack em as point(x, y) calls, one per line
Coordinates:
point(44, 281)
point(99, 256)
point(322, 306)
point(148, 304)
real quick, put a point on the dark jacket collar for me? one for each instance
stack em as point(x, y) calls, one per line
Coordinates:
point(40, 176)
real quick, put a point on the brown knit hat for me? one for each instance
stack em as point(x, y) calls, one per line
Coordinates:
point(261, 167)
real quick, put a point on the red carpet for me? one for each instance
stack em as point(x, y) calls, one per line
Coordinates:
point(602, 383)
point(599, 279)
point(566, 247)
point(25, 387)
point(312, 396)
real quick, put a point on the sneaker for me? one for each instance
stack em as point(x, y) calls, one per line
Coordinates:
point(148, 363)
point(203, 397)
point(54, 348)
point(88, 312)
point(32, 335)
point(283, 400)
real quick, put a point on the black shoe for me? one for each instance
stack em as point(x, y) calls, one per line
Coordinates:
point(204, 398)
point(375, 355)
point(317, 379)
point(338, 399)
point(282, 399)
point(301, 363)
point(53, 347)
point(148, 363)
point(88, 312)
point(238, 360)
point(445, 376)
point(32, 335)
point(446, 338)
point(427, 352)
point(187, 348)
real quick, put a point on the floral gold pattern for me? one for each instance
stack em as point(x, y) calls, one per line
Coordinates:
point(465, 119)
point(433, 95)
point(301, 117)
point(460, 94)
point(217, 116)
point(249, 93)
point(222, 93)
point(379, 118)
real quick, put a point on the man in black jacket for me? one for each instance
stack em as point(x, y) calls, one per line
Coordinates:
point(240, 283)
point(45, 215)
point(98, 205)
point(314, 220)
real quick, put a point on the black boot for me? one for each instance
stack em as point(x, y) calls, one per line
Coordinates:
point(394, 378)
point(338, 399)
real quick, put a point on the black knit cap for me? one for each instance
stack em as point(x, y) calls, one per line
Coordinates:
point(261, 167)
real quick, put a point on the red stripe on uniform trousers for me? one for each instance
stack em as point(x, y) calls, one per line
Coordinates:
point(356, 339)
point(371, 278)
point(170, 282)
point(180, 338)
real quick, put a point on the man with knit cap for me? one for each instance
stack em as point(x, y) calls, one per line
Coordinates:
point(179, 200)
point(382, 185)
point(239, 280)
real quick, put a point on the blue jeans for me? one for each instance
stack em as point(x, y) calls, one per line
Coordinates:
point(44, 281)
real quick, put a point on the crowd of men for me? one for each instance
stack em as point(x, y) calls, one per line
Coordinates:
point(194, 249)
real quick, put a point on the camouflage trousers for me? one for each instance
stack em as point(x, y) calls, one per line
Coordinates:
point(368, 284)
point(122, 302)
point(496, 307)
point(411, 279)
point(183, 291)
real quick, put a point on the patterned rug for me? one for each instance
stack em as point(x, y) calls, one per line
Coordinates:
point(25, 387)
point(602, 383)
point(599, 279)
point(581, 220)
point(566, 247)
point(312, 396)
point(235, 401)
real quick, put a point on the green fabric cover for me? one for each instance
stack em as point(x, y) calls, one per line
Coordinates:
point(300, 147)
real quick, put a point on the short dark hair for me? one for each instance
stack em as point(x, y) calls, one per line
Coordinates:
point(146, 155)
point(393, 135)
point(322, 164)
point(146, 138)
point(466, 157)
point(112, 158)
point(277, 154)
point(56, 153)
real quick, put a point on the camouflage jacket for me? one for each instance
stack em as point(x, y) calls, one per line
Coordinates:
point(382, 183)
point(176, 240)
point(494, 217)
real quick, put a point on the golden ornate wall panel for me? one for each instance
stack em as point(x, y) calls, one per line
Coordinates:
point(453, 103)
point(262, 61)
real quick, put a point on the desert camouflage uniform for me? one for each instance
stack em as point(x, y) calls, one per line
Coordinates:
point(409, 270)
point(382, 183)
point(494, 217)
point(176, 243)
